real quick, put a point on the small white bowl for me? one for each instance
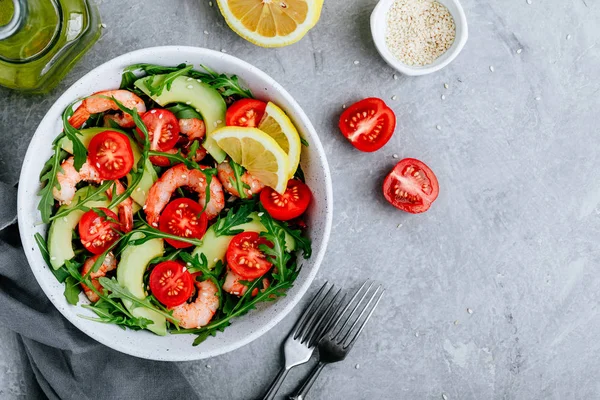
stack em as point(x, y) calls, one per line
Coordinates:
point(244, 329)
point(379, 26)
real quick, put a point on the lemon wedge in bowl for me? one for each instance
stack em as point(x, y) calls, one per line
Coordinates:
point(271, 23)
point(256, 151)
point(277, 124)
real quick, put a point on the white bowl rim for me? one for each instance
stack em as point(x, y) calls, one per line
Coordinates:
point(28, 241)
point(378, 16)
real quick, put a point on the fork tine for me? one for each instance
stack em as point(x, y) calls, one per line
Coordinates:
point(313, 335)
point(328, 319)
point(365, 307)
point(332, 325)
point(365, 321)
point(347, 320)
point(311, 318)
point(308, 310)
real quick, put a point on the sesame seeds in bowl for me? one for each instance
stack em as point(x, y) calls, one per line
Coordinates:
point(418, 37)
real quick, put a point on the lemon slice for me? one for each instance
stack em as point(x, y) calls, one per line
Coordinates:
point(277, 124)
point(271, 23)
point(256, 151)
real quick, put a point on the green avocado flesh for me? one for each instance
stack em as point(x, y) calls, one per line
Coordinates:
point(206, 100)
point(60, 233)
point(215, 247)
point(130, 275)
point(149, 176)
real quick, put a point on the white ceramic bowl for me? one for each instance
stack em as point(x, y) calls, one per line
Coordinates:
point(378, 29)
point(243, 330)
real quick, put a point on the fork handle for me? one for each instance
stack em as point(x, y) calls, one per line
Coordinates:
point(314, 374)
point(274, 388)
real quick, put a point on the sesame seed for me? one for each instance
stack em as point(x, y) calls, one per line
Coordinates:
point(529, 2)
point(445, 86)
point(343, 106)
point(569, 37)
point(198, 80)
point(197, 110)
point(215, 124)
point(395, 77)
point(444, 397)
point(190, 87)
point(65, 219)
point(456, 322)
point(357, 366)
point(394, 97)
point(216, 259)
point(356, 62)
point(103, 25)
point(492, 68)
point(145, 206)
point(443, 97)
point(416, 334)
point(260, 214)
point(138, 189)
point(208, 366)
point(188, 102)
point(519, 51)
point(418, 31)
point(53, 258)
point(395, 156)
point(538, 98)
point(223, 51)
point(438, 127)
point(188, 264)
point(219, 121)
point(469, 311)
point(206, 32)
point(189, 79)
point(399, 226)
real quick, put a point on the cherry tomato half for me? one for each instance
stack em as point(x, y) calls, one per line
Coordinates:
point(244, 256)
point(163, 129)
point(98, 232)
point(368, 124)
point(110, 152)
point(411, 186)
point(183, 217)
point(171, 283)
point(288, 205)
point(245, 112)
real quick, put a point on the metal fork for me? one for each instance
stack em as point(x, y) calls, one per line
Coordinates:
point(301, 342)
point(337, 340)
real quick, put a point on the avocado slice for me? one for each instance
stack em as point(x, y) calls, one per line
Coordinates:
point(206, 100)
point(60, 233)
point(130, 275)
point(149, 176)
point(215, 247)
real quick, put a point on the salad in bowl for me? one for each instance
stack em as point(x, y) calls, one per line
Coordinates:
point(174, 204)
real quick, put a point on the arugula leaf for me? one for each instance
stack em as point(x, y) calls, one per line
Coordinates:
point(184, 111)
point(167, 81)
point(303, 141)
point(128, 78)
point(225, 226)
point(119, 292)
point(79, 150)
point(109, 314)
point(200, 264)
point(169, 257)
point(227, 85)
point(48, 178)
point(302, 242)
point(100, 212)
point(277, 254)
point(237, 182)
point(61, 273)
point(72, 290)
point(300, 174)
point(96, 194)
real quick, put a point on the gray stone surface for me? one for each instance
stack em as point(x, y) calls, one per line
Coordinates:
point(513, 235)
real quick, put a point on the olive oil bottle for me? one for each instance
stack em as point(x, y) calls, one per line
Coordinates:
point(40, 40)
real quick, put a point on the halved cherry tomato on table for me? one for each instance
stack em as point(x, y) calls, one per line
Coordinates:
point(183, 217)
point(110, 152)
point(288, 205)
point(171, 283)
point(244, 256)
point(245, 112)
point(98, 232)
point(163, 129)
point(368, 124)
point(411, 186)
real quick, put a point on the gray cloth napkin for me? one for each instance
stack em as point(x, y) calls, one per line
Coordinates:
point(61, 361)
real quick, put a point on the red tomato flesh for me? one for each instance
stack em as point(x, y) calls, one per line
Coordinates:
point(244, 256)
point(368, 124)
point(411, 186)
point(171, 283)
point(245, 112)
point(288, 205)
point(110, 153)
point(97, 232)
point(183, 217)
point(163, 129)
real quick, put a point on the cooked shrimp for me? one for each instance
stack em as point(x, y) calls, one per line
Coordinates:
point(232, 284)
point(95, 104)
point(109, 264)
point(193, 128)
point(160, 193)
point(125, 209)
point(69, 177)
point(201, 311)
point(226, 176)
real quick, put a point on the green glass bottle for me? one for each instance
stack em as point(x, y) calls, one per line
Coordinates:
point(40, 40)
